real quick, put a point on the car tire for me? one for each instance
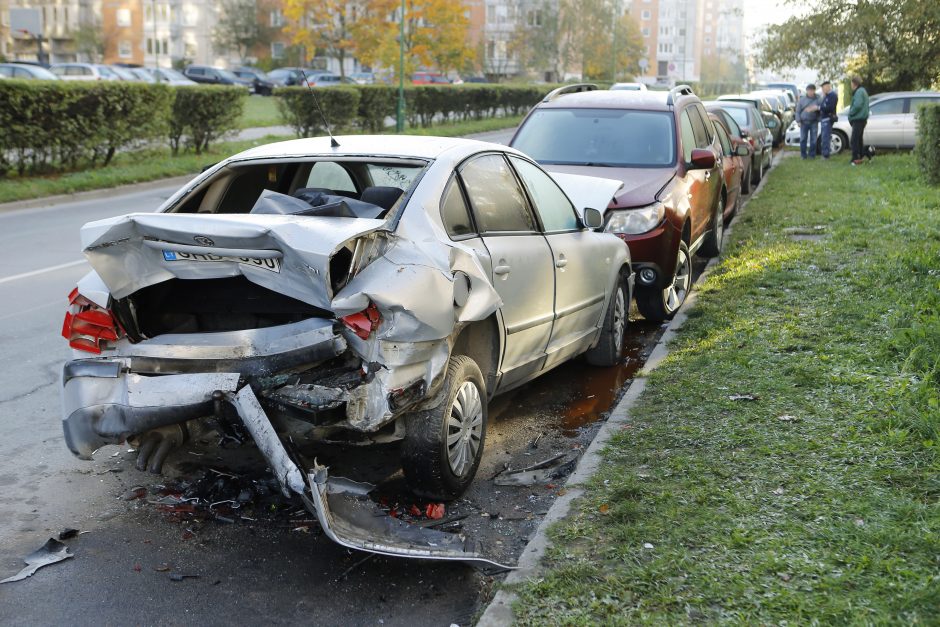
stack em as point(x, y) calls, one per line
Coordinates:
point(711, 247)
point(659, 303)
point(609, 349)
point(758, 175)
point(434, 468)
point(839, 141)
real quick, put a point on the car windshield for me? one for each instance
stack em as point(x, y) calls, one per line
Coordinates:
point(43, 73)
point(172, 75)
point(599, 137)
point(227, 74)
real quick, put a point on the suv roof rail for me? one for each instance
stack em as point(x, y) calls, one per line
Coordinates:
point(678, 90)
point(569, 89)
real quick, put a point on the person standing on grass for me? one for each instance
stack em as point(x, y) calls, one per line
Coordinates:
point(858, 119)
point(828, 117)
point(807, 116)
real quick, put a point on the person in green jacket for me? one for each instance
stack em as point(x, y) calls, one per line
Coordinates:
point(858, 119)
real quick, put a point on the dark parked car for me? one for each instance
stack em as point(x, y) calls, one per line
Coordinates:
point(215, 76)
point(771, 120)
point(744, 123)
point(290, 76)
point(665, 150)
point(263, 86)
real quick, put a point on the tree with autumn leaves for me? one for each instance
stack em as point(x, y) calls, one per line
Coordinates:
point(436, 31)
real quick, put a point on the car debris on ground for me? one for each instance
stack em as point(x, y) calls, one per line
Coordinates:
point(51, 552)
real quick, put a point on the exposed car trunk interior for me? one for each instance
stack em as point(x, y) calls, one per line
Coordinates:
point(208, 305)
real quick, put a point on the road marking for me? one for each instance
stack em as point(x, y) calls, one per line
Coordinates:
point(26, 275)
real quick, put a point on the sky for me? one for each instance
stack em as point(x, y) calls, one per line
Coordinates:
point(758, 14)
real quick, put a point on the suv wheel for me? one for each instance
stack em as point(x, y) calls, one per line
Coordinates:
point(609, 347)
point(443, 446)
point(661, 303)
point(711, 247)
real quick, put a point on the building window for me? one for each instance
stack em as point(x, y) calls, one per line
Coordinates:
point(124, 49)
point(277, 18)
point(646, 31)
point(646, 14)
point(277, 50)
point(123, 17)
point(708, 40)
point(708, 28)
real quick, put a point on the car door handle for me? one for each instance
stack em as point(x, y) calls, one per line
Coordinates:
point(561, 262)
point(502, 269)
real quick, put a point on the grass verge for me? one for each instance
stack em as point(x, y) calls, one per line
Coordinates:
point(150, 165)
point(260, 111)
point(817, 501)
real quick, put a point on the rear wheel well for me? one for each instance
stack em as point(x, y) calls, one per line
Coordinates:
point(687, 233)
point(479, 341)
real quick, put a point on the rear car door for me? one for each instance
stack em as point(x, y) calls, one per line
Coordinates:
point(885, 126)
point(582, 265)
point(523, 269)
point(707, 183)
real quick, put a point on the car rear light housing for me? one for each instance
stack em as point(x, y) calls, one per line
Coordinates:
point(364, 322)
point(87, 326)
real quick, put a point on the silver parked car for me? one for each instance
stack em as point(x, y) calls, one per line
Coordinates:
point(387, 287)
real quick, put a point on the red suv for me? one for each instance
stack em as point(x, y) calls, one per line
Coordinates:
point(666, 151)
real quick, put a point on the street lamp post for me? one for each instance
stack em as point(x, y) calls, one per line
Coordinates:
point(400, 114)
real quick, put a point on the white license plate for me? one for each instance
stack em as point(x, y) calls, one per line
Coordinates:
point(271, 265)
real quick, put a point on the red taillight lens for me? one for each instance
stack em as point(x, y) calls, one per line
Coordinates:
point(86, 324)
point(364, 322)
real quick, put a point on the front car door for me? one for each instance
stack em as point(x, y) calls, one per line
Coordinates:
point(581, 261)
point(706, 183)
point(523, 269)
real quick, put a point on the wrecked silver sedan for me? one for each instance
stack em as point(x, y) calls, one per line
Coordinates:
point(381, 290)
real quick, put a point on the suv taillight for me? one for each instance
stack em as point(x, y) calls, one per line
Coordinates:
point(86, 324)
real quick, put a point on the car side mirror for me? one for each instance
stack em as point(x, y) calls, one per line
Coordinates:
point(593, 219)
point(702, 159)
point(741, 150)
point(744, 134)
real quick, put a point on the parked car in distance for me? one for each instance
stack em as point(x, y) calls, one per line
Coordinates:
point(429, 78)
point(734, 165)
point(330, 80)
point(770, 118)
point(664, 149)
point(738, 138)
point(363, 78)
point(124, 74)
point(262, 85)
point(208, 75)
point(780, 103)
point(142, 74)
point(892, 121)
point(169, 76)
point(83, 72)
point(628, 87)
point(751, 123)
point(793, 88)
point(476, 79)
point(291, 76)
point(26, 71)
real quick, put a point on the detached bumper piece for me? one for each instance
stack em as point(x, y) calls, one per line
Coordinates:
point(343, 508)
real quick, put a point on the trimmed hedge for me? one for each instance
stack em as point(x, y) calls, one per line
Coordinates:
point(928, 142)
point(203, 113)
point(52, 126)
point(368, 107)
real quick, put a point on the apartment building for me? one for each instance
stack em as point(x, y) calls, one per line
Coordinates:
point(59, 19)
point(671, 31)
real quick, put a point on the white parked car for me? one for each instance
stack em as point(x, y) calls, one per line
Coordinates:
point(169, 76)
point(628, 87)
point(84, 72)
point(26, 71)
point(387, 288)
point(892, 122)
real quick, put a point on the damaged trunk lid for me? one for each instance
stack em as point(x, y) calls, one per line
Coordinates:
point(307, 258)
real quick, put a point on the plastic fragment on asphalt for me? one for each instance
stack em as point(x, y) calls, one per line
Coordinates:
point(181, 576)
point(544, 472)
point(51, 552)
point(67, 534)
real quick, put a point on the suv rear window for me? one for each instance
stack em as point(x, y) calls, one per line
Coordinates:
point(599, 137)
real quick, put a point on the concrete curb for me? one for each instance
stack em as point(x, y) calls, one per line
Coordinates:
point(499, 610)
point(95, 194)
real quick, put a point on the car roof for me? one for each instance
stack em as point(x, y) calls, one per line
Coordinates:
point(614, 99)
point(390, 146)
point(905, 94)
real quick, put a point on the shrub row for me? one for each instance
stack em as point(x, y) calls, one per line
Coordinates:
point(367, 107)
point(50, 126)
point(928, 142)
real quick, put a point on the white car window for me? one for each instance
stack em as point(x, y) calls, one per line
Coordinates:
point(330, 175)
point(454, 212)
point(894, 106)
point(552, 205)
point(497, 201)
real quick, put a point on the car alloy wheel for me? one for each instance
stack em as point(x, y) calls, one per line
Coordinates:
point(835, 144)
point(674, 294)
point(620, 318)
point(464, 428)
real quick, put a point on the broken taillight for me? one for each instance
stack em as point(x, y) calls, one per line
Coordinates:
point(363, 322)
point(86, 324)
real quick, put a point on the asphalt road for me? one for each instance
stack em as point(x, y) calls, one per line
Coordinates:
point(258, 569)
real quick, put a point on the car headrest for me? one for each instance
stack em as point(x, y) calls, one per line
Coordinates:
point(381, 195)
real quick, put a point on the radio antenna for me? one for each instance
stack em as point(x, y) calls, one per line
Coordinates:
point(333, 142)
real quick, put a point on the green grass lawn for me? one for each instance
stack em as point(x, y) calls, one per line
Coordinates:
point(150, 165)
point(260, 111)
point(817, 502)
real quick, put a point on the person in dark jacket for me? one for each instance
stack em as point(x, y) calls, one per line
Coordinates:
point(858, 119)
point(827, 114)
point(807, 116)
